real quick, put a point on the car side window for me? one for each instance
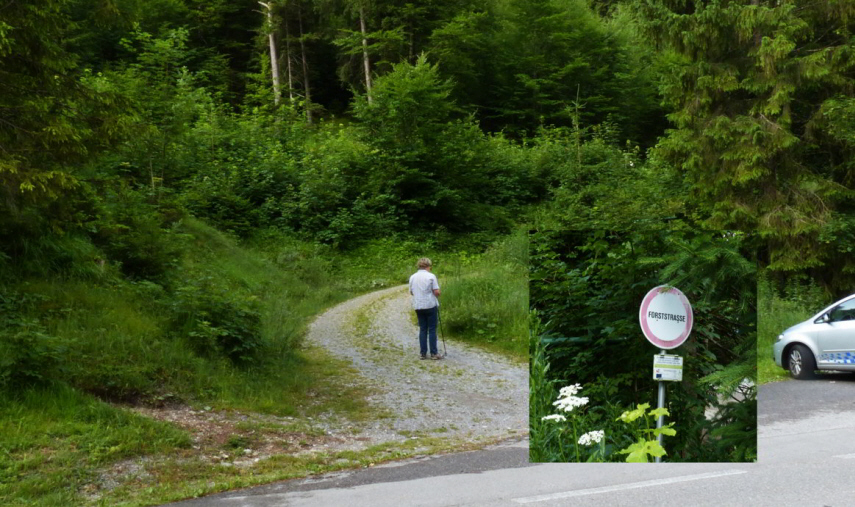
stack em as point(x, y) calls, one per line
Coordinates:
point(846, 311)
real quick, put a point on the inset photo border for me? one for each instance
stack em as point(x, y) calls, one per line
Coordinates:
point(595, 383)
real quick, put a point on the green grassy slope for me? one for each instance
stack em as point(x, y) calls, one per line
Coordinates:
point(222, 333)
point(142, 343)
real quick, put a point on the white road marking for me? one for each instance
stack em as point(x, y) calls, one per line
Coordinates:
point(631, 485)
point(845, 456)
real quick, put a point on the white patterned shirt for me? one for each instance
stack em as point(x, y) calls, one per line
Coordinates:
point(422, 285)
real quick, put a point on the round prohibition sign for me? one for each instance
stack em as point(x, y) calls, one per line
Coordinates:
point(666, 317)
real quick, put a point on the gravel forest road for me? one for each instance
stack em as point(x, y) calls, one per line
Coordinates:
point(472, 399)
point(471, 395)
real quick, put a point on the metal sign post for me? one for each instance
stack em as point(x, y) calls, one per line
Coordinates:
point(661, 421)
point(666, 368)
point(666, 321)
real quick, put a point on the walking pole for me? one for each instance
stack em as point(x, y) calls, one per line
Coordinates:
point(442, 333)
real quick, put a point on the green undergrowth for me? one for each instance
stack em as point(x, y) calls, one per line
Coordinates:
point(223, 331)
point(774, 316)
point(484, 297)
point(226, 330)
point(778, 309)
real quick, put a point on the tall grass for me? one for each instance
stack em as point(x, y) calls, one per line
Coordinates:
point(125, 340)
point(541, 395)
point(485, 297)
point(776, 311)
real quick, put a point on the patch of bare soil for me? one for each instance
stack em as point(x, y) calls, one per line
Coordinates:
point(231, 439)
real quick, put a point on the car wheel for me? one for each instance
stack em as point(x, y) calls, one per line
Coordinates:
point(801, 362)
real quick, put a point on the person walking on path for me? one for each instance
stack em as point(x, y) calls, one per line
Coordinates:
point(425, 290)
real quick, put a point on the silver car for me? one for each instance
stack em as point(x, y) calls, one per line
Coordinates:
point(826, 341)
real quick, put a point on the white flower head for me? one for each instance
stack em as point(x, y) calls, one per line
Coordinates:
point(570, 402)
point(554, 417)
point(569, 390)
point(567, 399)
point(591, 437)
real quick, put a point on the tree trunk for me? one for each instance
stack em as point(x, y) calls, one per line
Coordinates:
point(412, 46)
point(366, 62)
point(274, 55)
point(288, 60)
point(306, 86)
point(758, 38)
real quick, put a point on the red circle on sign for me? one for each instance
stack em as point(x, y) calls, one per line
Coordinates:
point(651, 334)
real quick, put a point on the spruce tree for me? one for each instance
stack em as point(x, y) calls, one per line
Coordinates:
point(52, 116)
point(752, 85)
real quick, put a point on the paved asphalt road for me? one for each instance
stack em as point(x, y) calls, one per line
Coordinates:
point(806, 457)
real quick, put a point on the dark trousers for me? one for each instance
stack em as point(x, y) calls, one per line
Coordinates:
point(427, 328)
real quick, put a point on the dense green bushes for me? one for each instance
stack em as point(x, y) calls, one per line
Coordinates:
point(29, 355)
point(410, 163)
point(215, 314)
point(137, 338)
point(134, 231)
point(217, 322)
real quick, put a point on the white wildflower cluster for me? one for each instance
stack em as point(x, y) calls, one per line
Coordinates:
point(567, 399)
point(554, 417)
point(569, 390)
point(591, 437)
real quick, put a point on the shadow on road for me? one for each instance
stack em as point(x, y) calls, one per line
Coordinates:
point(844, 376)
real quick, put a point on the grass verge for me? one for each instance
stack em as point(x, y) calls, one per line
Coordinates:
point(485, 297)
point(53, 441)
point(774, 315)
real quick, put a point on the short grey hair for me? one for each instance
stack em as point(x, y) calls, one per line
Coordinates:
point(423, 263)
